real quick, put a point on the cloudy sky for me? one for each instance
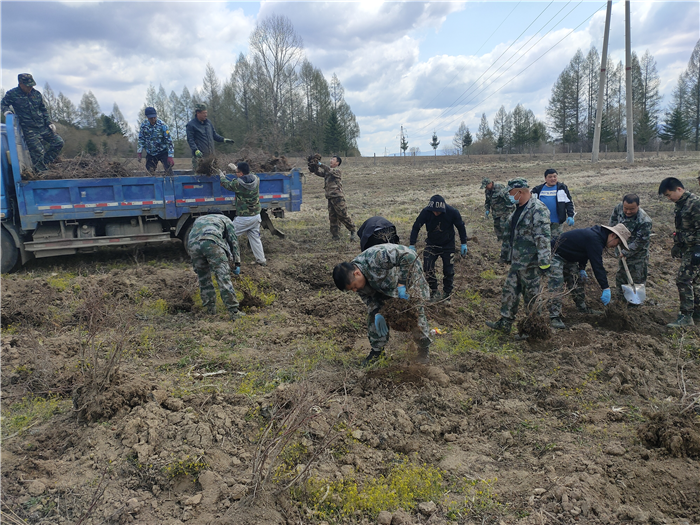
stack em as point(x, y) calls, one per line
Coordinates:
point(426, 66)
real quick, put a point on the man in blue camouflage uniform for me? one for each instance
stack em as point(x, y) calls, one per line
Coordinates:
point(381, 272)
point(201, 135)
point(211, 244)
point(686, 247)
point(497, 204)
point(639, 224)
point(526, 246)
point(154, 137)
point(28, 105)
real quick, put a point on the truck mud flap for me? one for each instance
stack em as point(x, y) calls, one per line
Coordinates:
point(267, 224)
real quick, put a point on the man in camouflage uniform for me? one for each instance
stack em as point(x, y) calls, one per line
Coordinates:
point(337, 208)
point(381, 272)
point(526, 246)
point(247, 219)
point(154, 137)
point(201, 135)
point(211, 244)
point(638, 223)
point(498, 204)
point(28, 105)
point(686, 247)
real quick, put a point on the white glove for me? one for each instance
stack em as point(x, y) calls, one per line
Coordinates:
point(52, 127)
point(221, 175)
point(232, 167)
point(8, 112)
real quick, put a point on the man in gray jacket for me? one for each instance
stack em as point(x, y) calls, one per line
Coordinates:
point(201, 135)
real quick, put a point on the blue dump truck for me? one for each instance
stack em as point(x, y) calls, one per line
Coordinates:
point(45, 218)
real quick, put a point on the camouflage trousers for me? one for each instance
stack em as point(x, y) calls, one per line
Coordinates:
point(207, 256)
point(556, 229)
point(42, 155)
point(688, 282)
point(498, 223)
point(338, 214)
point(525, 282)
point(638, 270)
point(562, 272)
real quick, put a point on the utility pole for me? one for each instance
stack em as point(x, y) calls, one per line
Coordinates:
point(628, 81)
point(601, 87)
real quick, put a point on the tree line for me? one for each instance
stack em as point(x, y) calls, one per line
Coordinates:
point(274, 99)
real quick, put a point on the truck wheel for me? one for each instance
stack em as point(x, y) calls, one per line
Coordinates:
point(10, 252)
point(185, 234)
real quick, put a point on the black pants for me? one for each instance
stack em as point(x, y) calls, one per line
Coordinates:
point(430, 256)
point(152, 162)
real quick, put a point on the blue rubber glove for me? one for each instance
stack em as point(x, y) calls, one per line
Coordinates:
point(583, 275)
point(237, 270)
point(403, 294)
point(412, 247)
point(487, 213)
point(463, 250)
point(380, 325)
point(605, 298)
point(570, 221)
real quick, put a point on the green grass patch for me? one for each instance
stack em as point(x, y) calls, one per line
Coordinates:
point(488, 275)
point(20, 416)
point(469, 339)
point(60, 282)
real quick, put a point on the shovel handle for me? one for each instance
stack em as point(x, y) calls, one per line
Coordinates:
point(629, 276)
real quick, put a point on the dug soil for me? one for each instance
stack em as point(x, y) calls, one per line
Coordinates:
point(124, 402)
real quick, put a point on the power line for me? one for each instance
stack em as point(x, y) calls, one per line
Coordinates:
point(443, 113)
point(476, 53)
point(529, 65)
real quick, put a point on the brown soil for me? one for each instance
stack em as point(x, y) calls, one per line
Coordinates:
point(400, 314)
point(588, 426)
point(535, 327)
point(259, 161)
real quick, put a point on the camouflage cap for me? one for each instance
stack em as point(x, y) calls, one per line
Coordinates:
point(517, 183)
point(26, 79)
point(485, 182)
point(200, 107)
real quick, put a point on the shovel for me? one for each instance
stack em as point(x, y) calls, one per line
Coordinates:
point(635, 294)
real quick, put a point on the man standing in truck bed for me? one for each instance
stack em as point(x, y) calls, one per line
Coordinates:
point(28, 105)
point(337, 208)
point(154, 137)
point(201, 135)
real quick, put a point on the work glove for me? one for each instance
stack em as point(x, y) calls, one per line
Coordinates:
point(52, 127)
point(463, 250)
point(139, 156)
point(676, 252)
point(413, 247)
point(570, 221)
point(237, 270)
point(583, 275)
point(221, 175)
point(171, 162)
point(403, 294)
point(545, 268)
point(198, 154)
point(487, 213)
point(380, 325)
point(605, 298)
point(228, 141)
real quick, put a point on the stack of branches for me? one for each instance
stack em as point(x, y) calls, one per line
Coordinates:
point(82, 167)
point(260, 161)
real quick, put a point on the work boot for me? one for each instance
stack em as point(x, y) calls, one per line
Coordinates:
point(353, 236)
point(447, 299)
point(261, 263)
point(423, 357)
point(581, 307)
point(435, 296)
point(683, 320)
point(503, 325)
point(336, 237)
point(372, 356)
point(237, 315)
point(556, 322)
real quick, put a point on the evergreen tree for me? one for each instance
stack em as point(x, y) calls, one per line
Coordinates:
point(435, 143)
point(466, 141)
point(404, 144)
point(484, 135)
point(333, 140)
point(66, 112)
point(675, 129)
point(458, 139)
point(499, 122)
point(692, 77)
point(109, 126)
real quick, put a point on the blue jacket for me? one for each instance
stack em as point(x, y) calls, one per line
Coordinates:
point(154, 139)
point(565, 206)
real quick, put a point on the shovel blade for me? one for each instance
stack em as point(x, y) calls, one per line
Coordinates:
point(631, 296)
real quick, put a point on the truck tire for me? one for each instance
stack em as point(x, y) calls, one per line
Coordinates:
point(10, 252)
point(185, 234)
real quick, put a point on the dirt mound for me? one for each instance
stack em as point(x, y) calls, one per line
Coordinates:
point(94, 401)
point(677, 433)
point(27, 302)
point(82, 167)
point(535, 327)
point(251, 301)
point(400, 315)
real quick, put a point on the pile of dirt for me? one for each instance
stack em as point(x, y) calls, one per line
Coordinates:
point(95, 401)
point(677, 433)
point(535, 327)
point(81, 167)
point(400, 315)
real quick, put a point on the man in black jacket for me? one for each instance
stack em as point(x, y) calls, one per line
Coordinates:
point(558, 199)
point(440, 221)
point(572, 250)
point(377, 230)
point(201, 135)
